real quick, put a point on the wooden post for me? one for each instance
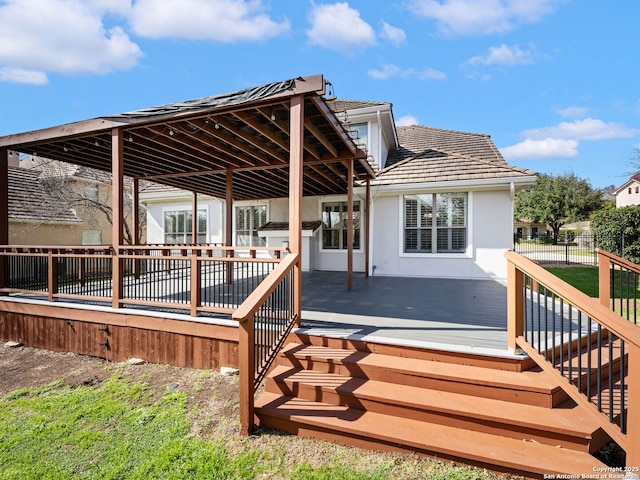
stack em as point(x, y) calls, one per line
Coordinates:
point(4, 214)
point(350, 225)
point(135, 213)
point(367, 217)
point(604, 280)
point(194, 218)
point(246, 364)
point(633, 407)
point(117, 190)
point(228, 233)
point(196, 274)
point(52, 274)
point(515, 305)
point(296, 152)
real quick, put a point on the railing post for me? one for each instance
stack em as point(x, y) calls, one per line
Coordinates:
point(52, 277)
point(196, 274)
point(229, 265)
point(246, 361)
point(515, 305)
point(633, 407)
point(604, 279)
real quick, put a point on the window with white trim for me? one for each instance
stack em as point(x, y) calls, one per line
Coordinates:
point(447, 234)
point(178, 226)
point(248, 220)
point(334, 225)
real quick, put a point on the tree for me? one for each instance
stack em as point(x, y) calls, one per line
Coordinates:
point(617, 230)
point(557, 201)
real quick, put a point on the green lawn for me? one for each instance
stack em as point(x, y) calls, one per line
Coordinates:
point(584, 279)
point(125, 429)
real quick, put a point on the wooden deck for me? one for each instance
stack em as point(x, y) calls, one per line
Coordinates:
point(449, 314)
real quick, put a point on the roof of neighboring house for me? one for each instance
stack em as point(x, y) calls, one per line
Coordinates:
point(29, 200)
point(634, 179)
point(54, 168)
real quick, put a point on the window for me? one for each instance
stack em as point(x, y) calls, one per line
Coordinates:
point(178, 226)
point(629, 191)
point(91, 194)
point(360, 134)
point(637, 189)
point(248, 221)
point(334, 225)
point(91, 237)
point(448, 234)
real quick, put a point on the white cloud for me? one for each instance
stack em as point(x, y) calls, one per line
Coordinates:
point(390, 70)
point(482, 17)
point(406, 121)
point(339, 27)
point(62, 36)
point(395, 35)
point(220, 20)
point(584, 129)
point(20, 75)
point(541, 149)
point(505, 55)
point(573, 112)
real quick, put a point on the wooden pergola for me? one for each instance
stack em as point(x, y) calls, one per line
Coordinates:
point(277, 140)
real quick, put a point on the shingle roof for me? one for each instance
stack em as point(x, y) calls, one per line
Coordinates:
point(416, 139)
point(429, 154)
point(277, 226)
point(29, 200)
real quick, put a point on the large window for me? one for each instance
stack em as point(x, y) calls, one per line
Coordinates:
point(248, 221)
point(334, 225)
point(178, 226)
point(447, 233)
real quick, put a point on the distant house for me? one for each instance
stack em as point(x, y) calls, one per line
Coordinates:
point(53, 202)
point(525, 228)
point(441, 205)
point(629, 192)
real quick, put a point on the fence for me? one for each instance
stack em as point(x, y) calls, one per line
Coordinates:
point(568, 248)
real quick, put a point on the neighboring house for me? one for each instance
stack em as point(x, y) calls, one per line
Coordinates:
point(33, 218)
point(441, 205)
point(525, 228)
point(61, 203)
point(629, 192)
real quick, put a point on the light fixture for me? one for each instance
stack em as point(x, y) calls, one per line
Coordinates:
point(171, 131)
point(130, 138)
point(65, 148)
point(273, 115)
point(96, 143)
point(216, 125)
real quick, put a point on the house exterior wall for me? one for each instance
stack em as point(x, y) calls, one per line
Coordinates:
point(629, 195)
point(155, 217)
point(489, 236)
point(28, 233)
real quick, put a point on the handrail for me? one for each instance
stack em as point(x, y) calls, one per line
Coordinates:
point(530, 287)
point(619, 260)
point(594, 309)
point(245, 315)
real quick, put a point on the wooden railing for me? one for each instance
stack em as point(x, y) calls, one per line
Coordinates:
point(588, 348)
point(618, 285)
point(195, 278)
point(265, 318)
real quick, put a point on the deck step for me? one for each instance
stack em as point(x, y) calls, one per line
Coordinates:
point(387, 432)
point(565, 426)
point(532, 387)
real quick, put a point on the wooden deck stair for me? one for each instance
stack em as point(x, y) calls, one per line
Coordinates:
point(391, 398)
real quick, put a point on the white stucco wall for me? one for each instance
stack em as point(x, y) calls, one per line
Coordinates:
point(155, 218)
point(624, 198)
point(489, 236)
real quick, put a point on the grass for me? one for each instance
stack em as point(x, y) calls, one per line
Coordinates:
point(123, 428)
point(584, 279)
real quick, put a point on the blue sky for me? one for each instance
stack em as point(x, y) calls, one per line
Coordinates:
point(554, 82)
